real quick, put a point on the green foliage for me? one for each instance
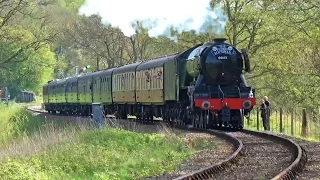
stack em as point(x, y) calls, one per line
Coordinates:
point(26, 63)
point(16, 122)
point(103, 154)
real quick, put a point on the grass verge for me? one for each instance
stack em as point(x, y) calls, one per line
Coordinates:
point(16, 122)
point(102, 154)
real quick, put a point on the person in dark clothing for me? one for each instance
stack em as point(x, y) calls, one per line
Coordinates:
point(264, 115)
point(266, 101)
point(265, 98)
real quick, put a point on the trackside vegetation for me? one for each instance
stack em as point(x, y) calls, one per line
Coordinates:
point(103, 154)
point(15, 122)
point(35, 148)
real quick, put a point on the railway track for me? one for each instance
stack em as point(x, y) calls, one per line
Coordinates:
point(312, 168)
point(256, 155)
point(267, 156)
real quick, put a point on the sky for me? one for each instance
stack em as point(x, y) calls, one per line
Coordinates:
point(158, 15)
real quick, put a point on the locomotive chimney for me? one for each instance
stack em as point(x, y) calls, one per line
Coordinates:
point(219, 40)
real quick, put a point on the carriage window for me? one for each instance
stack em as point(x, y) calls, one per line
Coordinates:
point(118, 83)
point(125, 82)
point(100, 82)
point(114, 83)
point(142, 80)
point(104, 86)
point(129, 81)
point(93, 84)
point(137, 79)
point(152, 79)
point(107, 84)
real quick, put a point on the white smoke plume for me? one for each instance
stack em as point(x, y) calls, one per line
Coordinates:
point(158, 15)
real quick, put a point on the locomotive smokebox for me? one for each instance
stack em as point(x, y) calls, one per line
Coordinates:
point(221, 63)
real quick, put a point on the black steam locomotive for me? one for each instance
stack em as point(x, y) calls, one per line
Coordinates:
point(203, 86)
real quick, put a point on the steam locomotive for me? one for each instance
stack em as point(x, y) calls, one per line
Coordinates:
point(202, 87)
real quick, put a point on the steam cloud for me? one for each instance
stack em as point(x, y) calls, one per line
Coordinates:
point(158, 16)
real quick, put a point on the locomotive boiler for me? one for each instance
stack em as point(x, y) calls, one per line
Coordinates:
point(203, 86)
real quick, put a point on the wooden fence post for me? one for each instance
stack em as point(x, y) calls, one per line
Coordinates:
point(281, 129)
point(292, 123)
point(304, 123)
point(258, 118)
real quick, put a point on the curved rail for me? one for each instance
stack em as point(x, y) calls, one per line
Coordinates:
point(206, 173)
point(300, 159)
point(300, 156)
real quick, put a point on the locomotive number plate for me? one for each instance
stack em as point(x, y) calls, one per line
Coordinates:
point(222, 57)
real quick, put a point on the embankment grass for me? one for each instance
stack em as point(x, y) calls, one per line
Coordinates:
point(15, 122)
point(33, 148)
point(101, 154)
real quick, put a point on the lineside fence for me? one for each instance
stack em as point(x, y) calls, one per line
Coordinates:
point(298, 122)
